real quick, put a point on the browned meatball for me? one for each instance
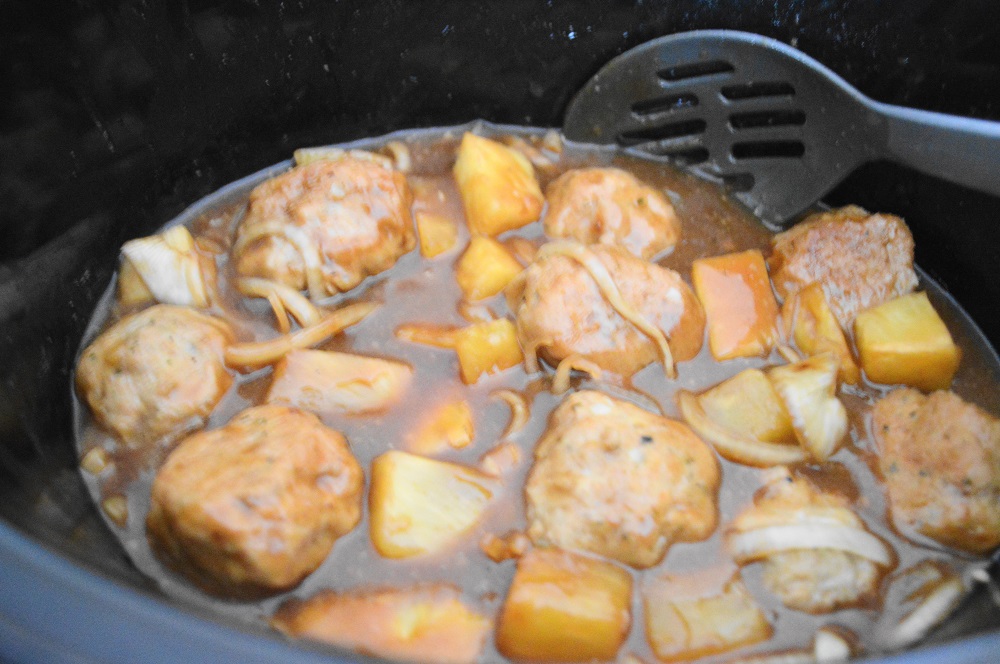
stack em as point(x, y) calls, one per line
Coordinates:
point(806, 569)
point(860, 259)
point(940, 458)
point(613, 479)
point(611, 206)
point(561, 311)
point(255, 506)
point(156, 373)
point(326, 225)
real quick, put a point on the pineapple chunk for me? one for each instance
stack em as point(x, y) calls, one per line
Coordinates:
point(563, 607)
point(449, 426)
point(904, 341)
point(748, 404)
point(419, 505)
point(497, 185)
point(486, 348)
point(437, 233)
point(326, 382)
point(815, 329)
point(808, 389)
point(685, 622)
point(485, 268)
point(739, 304)
point(421, 623)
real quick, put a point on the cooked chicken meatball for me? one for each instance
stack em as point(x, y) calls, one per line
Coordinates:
point(611, 206)
point(255, 506)
point(940, 458)
point(613, 479)
point(803, 573)
point(155, 374)
point(326, 225)
point(561, 311)
point(860, 259)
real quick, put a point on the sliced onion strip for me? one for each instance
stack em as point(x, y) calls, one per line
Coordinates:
point(732, 445)
point(309, 251)
point(606, 285)
point(428, 335)
point(520, 411)
point(936, 606)
point(253, 355)
point(304, 311)
point(759, 543)
point(560, 382)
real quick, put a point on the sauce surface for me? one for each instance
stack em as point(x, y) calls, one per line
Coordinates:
point(420, 290)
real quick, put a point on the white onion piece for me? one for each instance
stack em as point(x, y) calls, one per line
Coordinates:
point(253, 355)
point(304, 311)
point(734, 446)
point(829, 646)
point(400, 156)
point(560, 382)
point(937, 606)
point(520, 411)
point(761, 543)
point(169, 267)
point(606, 285)
point(808, 389)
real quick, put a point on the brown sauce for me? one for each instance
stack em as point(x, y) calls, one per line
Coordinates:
point(422, 290)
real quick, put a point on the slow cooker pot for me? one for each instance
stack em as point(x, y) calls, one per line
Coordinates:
point(114, 116)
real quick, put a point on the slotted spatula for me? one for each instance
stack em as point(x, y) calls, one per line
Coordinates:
point(779, 128)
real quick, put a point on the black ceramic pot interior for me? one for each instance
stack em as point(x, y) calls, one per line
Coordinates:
point(114, 116)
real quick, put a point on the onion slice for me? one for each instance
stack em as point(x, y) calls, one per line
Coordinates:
point(520, 411)
point(304, 311)
point(253, 355)
point(752, 545)
point(560, 382)
point(937, 606)
point(732, 445)
point(606, 285)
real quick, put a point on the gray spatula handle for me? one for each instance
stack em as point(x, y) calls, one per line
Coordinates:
point(965, 151)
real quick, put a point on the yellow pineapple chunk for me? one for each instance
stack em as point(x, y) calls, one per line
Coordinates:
point(809, 391)
point(485, 268)
point(486, 348)
point(685, 622)
point(563, 607)
point(748, 404)
point(420, 505)
point(450, 426)
point(498, 186)
point(904, 341)
point(426, 623)
point(437, 233)
point(815, 329)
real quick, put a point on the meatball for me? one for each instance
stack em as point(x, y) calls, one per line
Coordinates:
point(808, 578)
point(860, 259)
point(940, 458)
point(326, 225)
point(255, 506)
point(155, 374)
point(613, 479)
point(561, 311)
point(611, 206)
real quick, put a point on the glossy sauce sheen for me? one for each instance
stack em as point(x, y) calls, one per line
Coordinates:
point(424, 290)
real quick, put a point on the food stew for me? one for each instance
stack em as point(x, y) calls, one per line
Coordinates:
point(474, 395)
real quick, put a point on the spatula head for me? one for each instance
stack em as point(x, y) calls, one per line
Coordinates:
point(777, 127)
